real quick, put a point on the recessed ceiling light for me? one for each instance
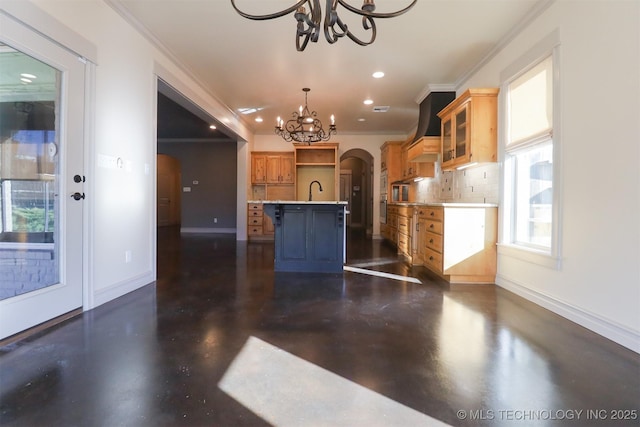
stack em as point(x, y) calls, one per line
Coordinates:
point(378, 75)
point(259, 119)
point(212, 127)
point(361, 119)
point(26, 80)
point(368, 101)
point(29, 76)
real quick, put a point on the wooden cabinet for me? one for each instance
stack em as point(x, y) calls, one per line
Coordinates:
point(390, 164)
point(391, 228)
point(399, 230)
point(405, 232)
point(317, 162)
point(469, 129)
point(425, 150)
point(259, 225)
point(415, 170)
point(272, 168)
point(272, 175)
point(459, 243)
point(280, 169)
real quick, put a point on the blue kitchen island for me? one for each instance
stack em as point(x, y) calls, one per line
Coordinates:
point(309, 236)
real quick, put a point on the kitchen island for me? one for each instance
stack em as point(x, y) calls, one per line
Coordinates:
point(309, 236)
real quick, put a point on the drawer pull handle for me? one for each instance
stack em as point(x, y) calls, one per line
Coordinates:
point(432, 213)
point(430, 258)
point(430, 240)
point(430, 225)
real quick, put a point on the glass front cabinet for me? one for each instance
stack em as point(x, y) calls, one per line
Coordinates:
point(469, 129)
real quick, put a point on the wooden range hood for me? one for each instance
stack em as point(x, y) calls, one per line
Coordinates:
point(425, 149)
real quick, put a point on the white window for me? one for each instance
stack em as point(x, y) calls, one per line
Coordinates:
point(530, 147)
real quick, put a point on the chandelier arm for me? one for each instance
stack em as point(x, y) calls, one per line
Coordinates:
point(271, 15)
point(332, 35)
point(361, 12)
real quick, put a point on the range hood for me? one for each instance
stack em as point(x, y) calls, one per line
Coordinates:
point(426, 144)
point(428, 120)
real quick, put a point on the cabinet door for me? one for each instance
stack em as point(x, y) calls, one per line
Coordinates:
point(384, 152)
point(258, 169)
point(447, 140)
point(273, 169)
point(286, 169)
point(461, 131)
point(422, 240)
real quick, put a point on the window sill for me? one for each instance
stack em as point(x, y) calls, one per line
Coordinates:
point(530, 255)
point(27, 246)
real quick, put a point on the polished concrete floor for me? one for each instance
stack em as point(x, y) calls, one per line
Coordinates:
point(222, 340)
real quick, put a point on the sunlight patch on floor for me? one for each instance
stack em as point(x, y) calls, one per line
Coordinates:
point(381, 274)
point(286, 390)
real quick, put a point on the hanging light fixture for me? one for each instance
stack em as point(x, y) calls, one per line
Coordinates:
point(309, 23)
point(304, 127)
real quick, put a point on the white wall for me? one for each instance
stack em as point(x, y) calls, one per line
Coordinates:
point(122, 105)
point(598, 284)
point(369, 143)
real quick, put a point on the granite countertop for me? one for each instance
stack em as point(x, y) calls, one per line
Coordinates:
point(299, 202)
point(447, 205)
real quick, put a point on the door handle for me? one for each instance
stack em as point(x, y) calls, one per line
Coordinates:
point(78, 178)
point(77, 196)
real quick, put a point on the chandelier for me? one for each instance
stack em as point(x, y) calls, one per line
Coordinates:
point(304, 127)
point(309, 23)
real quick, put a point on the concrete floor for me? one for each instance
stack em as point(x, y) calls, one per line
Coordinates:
point(222, 340)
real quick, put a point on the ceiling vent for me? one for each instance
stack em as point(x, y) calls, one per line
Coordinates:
point(381, 109)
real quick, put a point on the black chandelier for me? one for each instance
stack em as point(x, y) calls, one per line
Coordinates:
point(309, 23)
point(304, 127)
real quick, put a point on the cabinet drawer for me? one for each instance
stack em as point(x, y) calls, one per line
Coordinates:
point(436, 214)
point(433, 241)
point(434, 226)
point(255, 230)
point(254, 220)
point(254, 207)
point(403, 225)
point(255, 214)
point(433, 260)
point(403, 243)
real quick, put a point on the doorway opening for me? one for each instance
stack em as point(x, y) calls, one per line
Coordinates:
point(356, 173)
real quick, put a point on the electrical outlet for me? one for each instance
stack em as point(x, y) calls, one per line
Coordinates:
point(127, 256)
point(215, 220)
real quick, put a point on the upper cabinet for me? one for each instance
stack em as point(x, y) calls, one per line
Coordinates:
point(272, 168)
point(469, 129)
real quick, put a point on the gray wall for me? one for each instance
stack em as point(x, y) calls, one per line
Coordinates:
point(213, 165)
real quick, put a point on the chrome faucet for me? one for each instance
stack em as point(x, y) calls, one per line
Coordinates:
point(319, 185)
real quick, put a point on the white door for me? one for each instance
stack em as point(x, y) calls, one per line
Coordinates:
point(41, 169)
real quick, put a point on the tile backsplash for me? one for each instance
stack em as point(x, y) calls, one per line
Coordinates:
point(478, 184)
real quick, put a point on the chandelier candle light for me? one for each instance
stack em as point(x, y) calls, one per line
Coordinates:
point(304, 127)
point(308, 27)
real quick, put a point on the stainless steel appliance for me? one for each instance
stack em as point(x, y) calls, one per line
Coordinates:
point(383, 208)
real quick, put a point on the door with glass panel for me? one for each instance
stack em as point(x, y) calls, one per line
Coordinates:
point(41, 179)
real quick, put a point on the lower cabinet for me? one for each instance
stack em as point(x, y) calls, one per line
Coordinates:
point(259, 225)
point(309, 237)
point(459, 242)
point(405, 232)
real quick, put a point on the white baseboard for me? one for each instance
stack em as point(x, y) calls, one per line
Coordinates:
point(116, 290)
point(207, 230)
point(607, 328)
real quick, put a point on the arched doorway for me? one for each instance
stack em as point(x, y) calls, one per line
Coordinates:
point(356, 168)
